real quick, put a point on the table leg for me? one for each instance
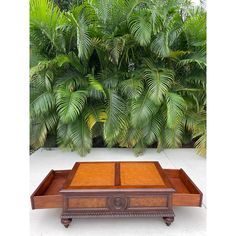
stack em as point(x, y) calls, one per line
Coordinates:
point(168, 220)
point(66, 221)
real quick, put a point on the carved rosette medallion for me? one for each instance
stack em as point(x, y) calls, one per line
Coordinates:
point(118, 202)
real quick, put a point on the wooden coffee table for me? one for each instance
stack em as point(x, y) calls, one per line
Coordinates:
point(116, 189)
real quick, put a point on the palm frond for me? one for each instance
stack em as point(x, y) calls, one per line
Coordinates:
point(70, 104)
point(133, 87)
point(116, 117)
point(77, 63)
point(39, 128)
point(71, 81)
point(101, 9)
point(141, 27)
point(160, 45)
point(200, 144)
point(95, 114)
point(139, 148)
point(169, 30)
point(64, 138)
point(96, 89)
point(152, 130)
point(142, 110)
point(195, 28)
point(115, 48)
point(174, 136)
point(196, 123)
point(75, 136)
point(198, 58)
point(80, 23)
point(42, 104)
point(38, 135)
point(175, 109)
point(130, 137)
point(159, 82)
point(46, 26)
point(81, 136)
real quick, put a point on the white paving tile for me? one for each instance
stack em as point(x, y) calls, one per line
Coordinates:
point(188, 220)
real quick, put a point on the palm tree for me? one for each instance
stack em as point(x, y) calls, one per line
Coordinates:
point(131, 72)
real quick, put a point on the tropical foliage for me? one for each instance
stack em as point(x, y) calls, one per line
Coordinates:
point(131, 72)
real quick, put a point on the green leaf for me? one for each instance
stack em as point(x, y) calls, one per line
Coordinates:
point(94, 114)
point(116, 118)
point(198, 58)
point(159, 82)
point(95, 87)
point(140, 26)
point(64, 139)
point(174, 136)
point(139, 148)
point(196, 123)
point(70, 104)
point(130, 137)
point(175, 109)
point(132, 87)
point(75, 136)
point(39, 128)
point(195, 28)
point(142, 110)
point(46, 27)
point(115, 48)
point(80, 22)
point(81, 136)
point(200, 145)
point(44, 103)
point(38, 135)
point(160, 45)
point(152, 130)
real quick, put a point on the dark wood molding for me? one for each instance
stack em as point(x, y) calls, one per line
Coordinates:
point(71, 175)
point(117, 174)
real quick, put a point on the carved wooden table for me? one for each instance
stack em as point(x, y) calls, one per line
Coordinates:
point(116, 189)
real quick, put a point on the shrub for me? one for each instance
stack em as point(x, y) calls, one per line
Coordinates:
point(130, 71)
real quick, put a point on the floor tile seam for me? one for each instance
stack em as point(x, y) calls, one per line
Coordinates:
point(166, 155)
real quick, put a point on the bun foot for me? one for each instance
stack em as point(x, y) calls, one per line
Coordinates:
point(66, 222)
point(168, 220)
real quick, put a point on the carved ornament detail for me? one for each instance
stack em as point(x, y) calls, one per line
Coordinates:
point(117, 202)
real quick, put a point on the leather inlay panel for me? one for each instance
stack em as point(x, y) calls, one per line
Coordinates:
point(148, 201)
point(91, 174)
point(87, 202)
point(139, 174)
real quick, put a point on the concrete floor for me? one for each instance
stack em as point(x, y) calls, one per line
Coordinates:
point(188, 220)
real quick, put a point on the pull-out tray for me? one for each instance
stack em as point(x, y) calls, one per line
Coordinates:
point(47, 195)
point(187, 193)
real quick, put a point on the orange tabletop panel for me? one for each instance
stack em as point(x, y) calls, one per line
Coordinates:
point(93, 174)
point(136, 174)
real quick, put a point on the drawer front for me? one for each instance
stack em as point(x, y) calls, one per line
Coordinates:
point(42, 202)
point(187, 199)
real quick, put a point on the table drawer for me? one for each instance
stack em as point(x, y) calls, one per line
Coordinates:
point(187, 193)
point(47, 194)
